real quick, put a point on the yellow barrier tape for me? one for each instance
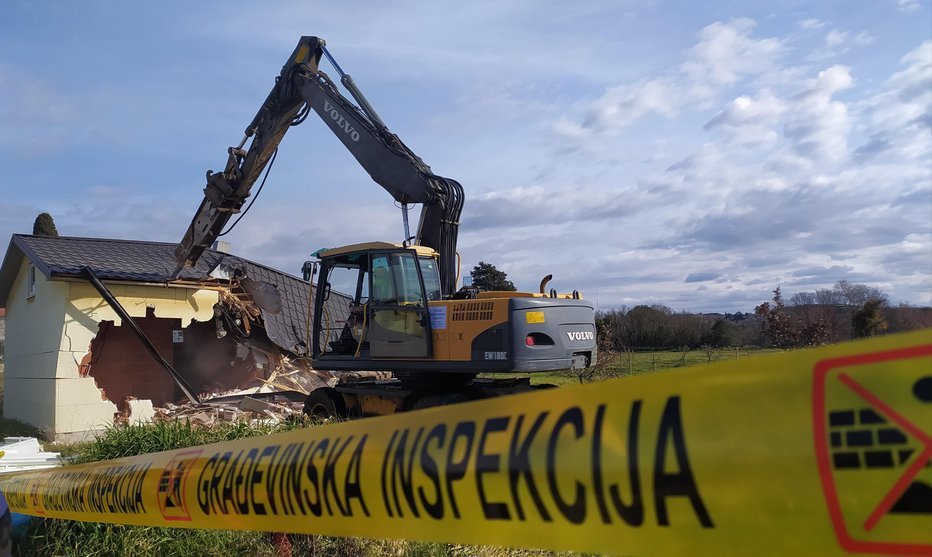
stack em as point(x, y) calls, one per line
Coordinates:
point(821, 451)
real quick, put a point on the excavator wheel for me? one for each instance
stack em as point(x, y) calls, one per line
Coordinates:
point(323, 404)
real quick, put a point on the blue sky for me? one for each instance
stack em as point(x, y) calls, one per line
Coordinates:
point(691, 154)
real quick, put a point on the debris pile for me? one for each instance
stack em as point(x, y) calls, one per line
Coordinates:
point(274, 399)
point(231, 408)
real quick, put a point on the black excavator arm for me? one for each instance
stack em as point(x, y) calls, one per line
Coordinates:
point(300, 88)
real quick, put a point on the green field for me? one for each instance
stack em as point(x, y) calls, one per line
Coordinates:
point(625, 364)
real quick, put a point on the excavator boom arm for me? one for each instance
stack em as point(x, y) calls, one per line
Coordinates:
point(300, 87)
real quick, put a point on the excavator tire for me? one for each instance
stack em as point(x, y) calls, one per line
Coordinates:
point(323, 404)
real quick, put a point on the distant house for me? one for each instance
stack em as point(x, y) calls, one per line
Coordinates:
point(71, 365)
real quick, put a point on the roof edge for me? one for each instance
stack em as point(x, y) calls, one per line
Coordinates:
point(9, 268)
point(47, 271)
point(33, 256)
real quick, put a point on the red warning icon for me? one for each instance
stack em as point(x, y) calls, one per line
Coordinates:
point(872, 420)
point(172, 503)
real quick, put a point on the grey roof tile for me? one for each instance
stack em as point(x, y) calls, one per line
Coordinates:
point(141, 261)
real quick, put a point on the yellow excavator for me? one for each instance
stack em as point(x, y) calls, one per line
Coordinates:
point(404, 313)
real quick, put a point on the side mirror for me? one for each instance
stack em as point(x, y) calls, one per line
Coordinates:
point(327, 292)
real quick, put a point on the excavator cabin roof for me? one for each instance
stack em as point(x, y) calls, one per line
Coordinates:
point(370, 246)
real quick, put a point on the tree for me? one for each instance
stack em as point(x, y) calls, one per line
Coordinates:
point(486, 277)
point(786, 330)
point(777, 325)
point(645, 327)
point(815, 333)
point(721, 334)
point(869, 321)
point(606, 344)
point(829, 315)
point(856, 294)
point(822, 317)
point(44, 226)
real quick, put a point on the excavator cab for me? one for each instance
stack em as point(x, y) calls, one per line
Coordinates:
point(372, 304)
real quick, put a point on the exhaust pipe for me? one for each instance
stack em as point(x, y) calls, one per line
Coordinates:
point(543, 284)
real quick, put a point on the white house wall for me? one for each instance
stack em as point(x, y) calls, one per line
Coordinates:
point(49, 334)
point(34, 338)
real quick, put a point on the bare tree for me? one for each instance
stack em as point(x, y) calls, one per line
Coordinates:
point(856, 294)
point(606, 344)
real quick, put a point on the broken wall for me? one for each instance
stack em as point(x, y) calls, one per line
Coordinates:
point(48, 337)
point(122, 366)
point(214, 364)
point(160, 308)
point(124, 369)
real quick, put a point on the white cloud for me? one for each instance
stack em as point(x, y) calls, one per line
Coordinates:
point(898, 120)
point(623, 104)
point(838, 42)
point(750, 120)
point(780, 183)
point(836, 38)
point(817, 125)
point(811, 24)
point(727, 52)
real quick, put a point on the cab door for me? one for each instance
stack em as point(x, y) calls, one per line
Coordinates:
point(399, 323)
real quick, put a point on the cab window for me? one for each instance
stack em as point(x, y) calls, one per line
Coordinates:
point(383, 282)
point(395, 280)
point(431, 273)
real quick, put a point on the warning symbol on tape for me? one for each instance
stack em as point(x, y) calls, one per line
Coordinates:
point(874, 454)
point(172, 503)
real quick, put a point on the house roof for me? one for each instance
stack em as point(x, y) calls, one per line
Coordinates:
point(154, 262)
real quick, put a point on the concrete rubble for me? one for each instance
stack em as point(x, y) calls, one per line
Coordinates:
point(274, 399)
point(243, 408)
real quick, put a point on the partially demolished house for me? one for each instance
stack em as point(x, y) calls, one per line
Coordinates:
point(73, 366)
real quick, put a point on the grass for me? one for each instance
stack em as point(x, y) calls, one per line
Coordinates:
point(138, 439)
point(66, 538)
point(625, 364)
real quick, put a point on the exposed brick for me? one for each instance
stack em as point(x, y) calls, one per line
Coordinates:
point(122, 366)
